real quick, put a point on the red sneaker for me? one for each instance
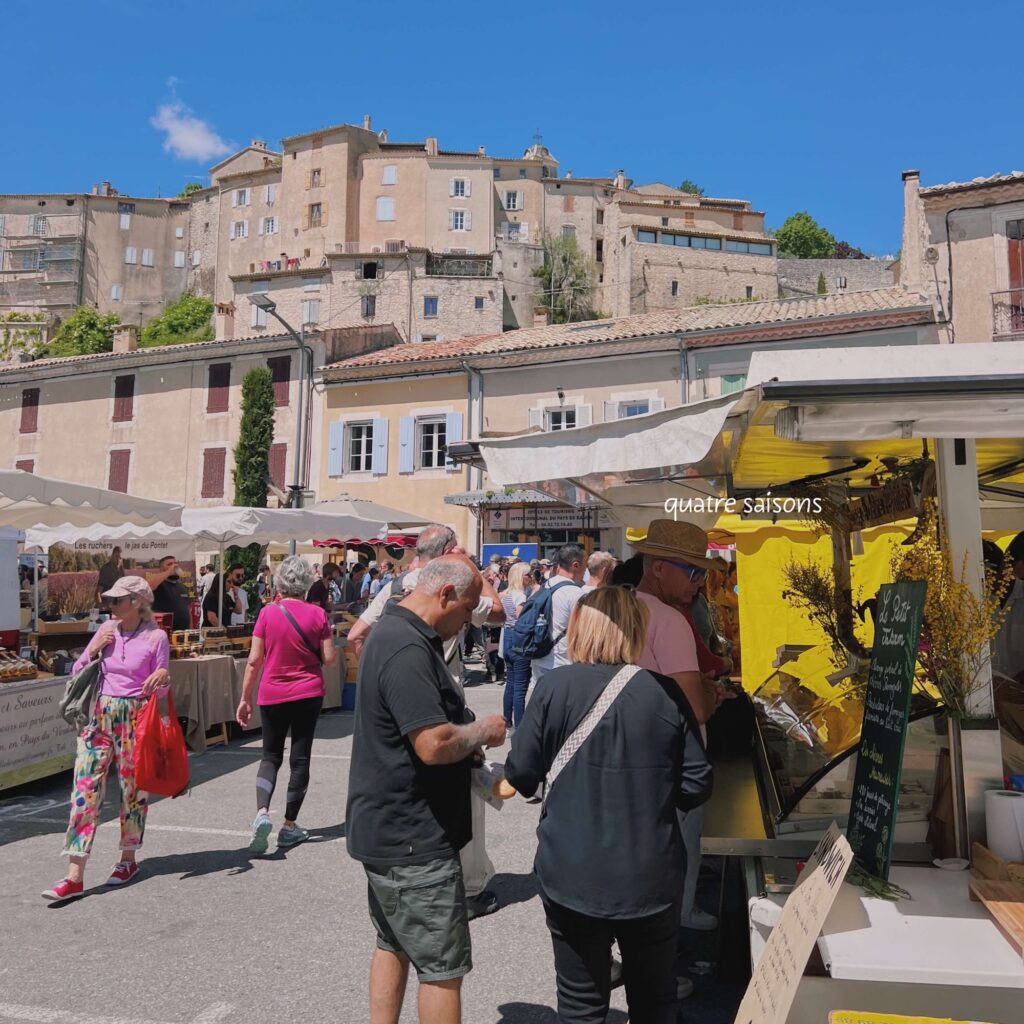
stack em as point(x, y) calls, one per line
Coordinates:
point(123, 873)
point(65, 889)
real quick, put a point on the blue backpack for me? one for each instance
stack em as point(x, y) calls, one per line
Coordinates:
point(532, 634)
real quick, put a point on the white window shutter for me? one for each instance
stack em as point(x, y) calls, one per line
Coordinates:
point(467, 222)
point(254, 315)
point(245, 229)
point(657, 404)
point(336, 450)
point(380, 447)
point(611, 411)
point(536, 418)
point(232, 235)
point(520, 200)
point(452, 433)
point(234, 197)
point(451, 220)
point(259, 226)
point(451, 187)
point(469, 188)
point(407, 444)
point(583, 415)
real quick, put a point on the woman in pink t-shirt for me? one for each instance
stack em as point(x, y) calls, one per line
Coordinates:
point(291, 643)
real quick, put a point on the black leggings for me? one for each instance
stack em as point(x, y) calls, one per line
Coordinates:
point(299, 717)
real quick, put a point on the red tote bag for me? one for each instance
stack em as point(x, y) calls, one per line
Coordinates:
point(161, 760)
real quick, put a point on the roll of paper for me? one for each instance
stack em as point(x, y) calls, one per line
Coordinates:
point(1004, 823)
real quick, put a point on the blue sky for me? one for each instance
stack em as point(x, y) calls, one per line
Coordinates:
point(791, 105)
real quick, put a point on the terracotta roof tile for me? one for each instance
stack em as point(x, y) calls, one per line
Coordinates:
point(695, 319)
point(963, 186)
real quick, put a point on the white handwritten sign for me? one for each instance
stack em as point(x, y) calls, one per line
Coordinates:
point(34, 740)
point(772, 989)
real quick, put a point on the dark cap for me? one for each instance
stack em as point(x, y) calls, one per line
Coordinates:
point(1015, 549)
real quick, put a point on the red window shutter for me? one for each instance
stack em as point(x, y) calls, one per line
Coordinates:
point(27, 465)
point(120, 460)
point(30, 410)
point(124, 398)
point(214, 460)
point(278, 470)
point(217, 392)
point(281, 370)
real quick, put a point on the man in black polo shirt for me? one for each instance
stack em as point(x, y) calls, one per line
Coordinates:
point(408, 809)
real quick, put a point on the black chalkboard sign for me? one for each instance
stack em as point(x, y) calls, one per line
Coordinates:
point(876, 785)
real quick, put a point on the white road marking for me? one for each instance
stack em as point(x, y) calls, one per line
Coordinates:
point(162, 828)
point(45, 1015)
point(246, 752)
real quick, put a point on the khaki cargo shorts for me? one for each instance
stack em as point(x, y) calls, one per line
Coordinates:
point(420, 910)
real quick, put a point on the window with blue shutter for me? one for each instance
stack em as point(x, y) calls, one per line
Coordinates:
point(407, 444)
point(380, 447)
point(452, 432)
point(336, 449)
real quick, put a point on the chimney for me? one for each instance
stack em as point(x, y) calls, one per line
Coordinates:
point(568, 174)
point(366, 122)
point(95, 189)
point(224, 321)
point(480, 151)
point(126, 338)
point(914, 233)
point(105, 189)
point(431, 146)
point(540, 316)
point(620, 179)
point(258, 144)
point(382, 135)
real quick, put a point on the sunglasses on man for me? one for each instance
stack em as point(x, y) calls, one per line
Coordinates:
point(696, 575)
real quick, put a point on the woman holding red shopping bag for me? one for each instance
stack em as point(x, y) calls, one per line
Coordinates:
point(134, 657)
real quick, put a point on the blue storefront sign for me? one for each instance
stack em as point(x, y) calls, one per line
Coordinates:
point(524, 552)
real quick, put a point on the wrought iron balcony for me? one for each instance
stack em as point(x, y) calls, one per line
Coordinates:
point(1008, 314)
point(458, 266)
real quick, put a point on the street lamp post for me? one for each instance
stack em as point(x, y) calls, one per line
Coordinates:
point(262, 301)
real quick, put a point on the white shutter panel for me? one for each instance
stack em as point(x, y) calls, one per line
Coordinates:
point(451, 220)
point(254, 315)
point(245, 229)
point(451, 187)
point(234, 197)
point(536, 418)
point(520, 200)
point(380, 447)
point(611, 411)
point(657, 404)
point(452, 433)
point(583, 415)
point(336, 450)
point(468, 221)
point(469, 188)
point(232, 234)
point(259, 226)
point(407, 444)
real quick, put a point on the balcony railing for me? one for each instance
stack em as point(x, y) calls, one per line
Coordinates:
point(458, 266)
point(1008, 314)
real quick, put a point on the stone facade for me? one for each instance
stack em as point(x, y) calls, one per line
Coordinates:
point(962, 246)
point(425, 297)
point(120, 254)
point(800, 277)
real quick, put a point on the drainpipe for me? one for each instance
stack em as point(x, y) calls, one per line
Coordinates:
point(684, 377)
point(475, 382)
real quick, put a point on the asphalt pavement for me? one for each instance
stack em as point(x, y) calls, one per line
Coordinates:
point(209, 934)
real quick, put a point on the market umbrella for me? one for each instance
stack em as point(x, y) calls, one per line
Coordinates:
point(222, 525)
point(364, 508)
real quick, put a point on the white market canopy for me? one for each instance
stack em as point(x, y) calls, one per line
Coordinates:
point(28, 501)
point(804, 413)
point(396, 520)
point(222, 526)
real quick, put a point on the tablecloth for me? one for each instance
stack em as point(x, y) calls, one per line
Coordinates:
point(204, 694)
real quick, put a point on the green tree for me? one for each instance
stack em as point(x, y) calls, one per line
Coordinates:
point(83, 333)
point(252, 465)
point(188, 320)
point(692, 187)
point(566, 281)
point(192, 186)
point(822, 287)
point(802, 237)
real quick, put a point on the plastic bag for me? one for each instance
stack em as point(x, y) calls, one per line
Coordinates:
point(161, 760)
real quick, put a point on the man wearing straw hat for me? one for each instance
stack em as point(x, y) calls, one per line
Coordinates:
point(675, 565)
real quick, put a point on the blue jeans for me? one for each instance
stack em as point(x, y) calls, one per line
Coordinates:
point(517, 682)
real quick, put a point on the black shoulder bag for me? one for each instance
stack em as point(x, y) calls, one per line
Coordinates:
point(298, 629)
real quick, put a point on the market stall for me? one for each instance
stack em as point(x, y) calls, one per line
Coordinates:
point(928, 422)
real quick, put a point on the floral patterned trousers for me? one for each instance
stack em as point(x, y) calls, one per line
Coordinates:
point(109, 738)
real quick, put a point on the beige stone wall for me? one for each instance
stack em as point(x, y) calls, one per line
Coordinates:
point(407, 194)
point(421, 493)
point(204, 239)
point(167, 435)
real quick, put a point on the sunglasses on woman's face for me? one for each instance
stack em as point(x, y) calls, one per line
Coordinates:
point(119, 600)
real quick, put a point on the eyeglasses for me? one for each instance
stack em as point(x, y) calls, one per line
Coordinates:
point(696, 575)
point(118, 600)
point(631, 587)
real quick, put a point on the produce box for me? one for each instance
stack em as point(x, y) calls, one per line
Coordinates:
point(79, 626)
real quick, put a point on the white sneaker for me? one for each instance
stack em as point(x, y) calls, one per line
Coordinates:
point(699, 920)
point(684, 988)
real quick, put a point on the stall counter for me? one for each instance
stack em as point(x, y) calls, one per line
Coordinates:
point(34, 740)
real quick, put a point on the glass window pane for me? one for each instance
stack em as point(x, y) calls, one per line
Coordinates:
point(736, 246)
point(712, 243)
point(646, 236)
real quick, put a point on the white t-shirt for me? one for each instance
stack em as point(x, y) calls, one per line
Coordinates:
point(238, 616)
point(205, 582)
point(564, 599)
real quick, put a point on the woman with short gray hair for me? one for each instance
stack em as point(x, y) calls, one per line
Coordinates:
point(291, 642)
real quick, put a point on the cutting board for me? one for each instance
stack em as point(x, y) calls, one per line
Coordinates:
point(1005, 902)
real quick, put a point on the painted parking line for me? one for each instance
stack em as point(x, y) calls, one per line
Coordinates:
point(45, 1015)
point(197, 830)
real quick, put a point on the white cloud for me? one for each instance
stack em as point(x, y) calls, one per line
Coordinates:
point(188, 137)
